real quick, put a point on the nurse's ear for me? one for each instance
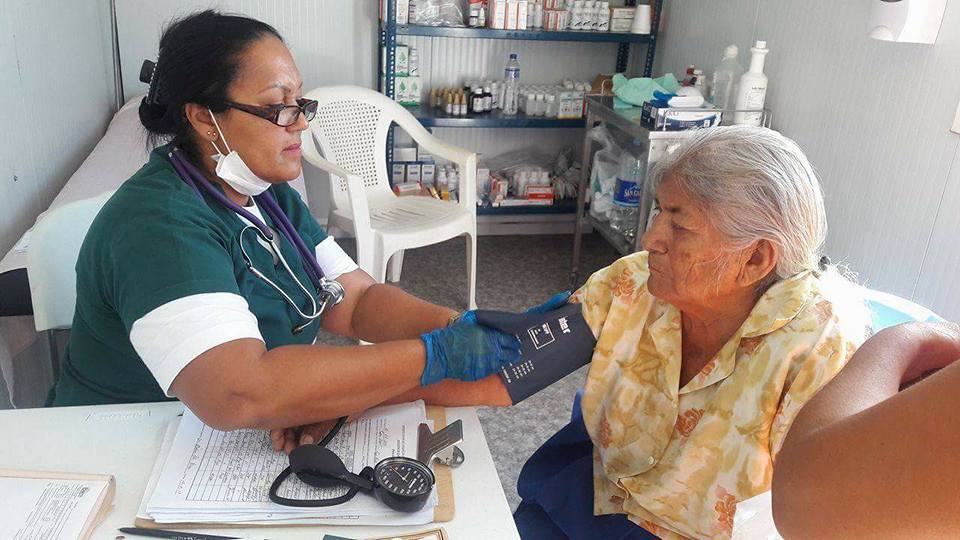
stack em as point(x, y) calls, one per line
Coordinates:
point(203, 127)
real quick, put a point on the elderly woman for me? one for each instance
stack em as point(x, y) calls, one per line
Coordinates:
point(708, 344)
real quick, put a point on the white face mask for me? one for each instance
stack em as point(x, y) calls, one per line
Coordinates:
point(232, 170)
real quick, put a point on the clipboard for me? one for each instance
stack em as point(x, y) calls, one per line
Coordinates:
point(443, 512)
point(102, 506)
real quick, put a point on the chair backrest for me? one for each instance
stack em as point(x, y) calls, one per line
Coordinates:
point(351, 130)
point(52, 259)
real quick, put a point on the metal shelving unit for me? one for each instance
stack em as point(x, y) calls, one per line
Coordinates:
point(563, 206)
point(656, 143)
point(627, 121)
point(528, 35)
point(389, 30)
point(495, 119)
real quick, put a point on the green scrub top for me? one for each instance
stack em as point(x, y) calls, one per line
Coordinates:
point(156, 241)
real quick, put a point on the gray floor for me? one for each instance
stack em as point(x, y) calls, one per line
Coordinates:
point(514, 273)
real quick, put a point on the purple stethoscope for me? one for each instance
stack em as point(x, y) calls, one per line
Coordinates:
point(330, 292)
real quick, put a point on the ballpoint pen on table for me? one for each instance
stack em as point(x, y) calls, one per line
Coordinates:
point(173, 535)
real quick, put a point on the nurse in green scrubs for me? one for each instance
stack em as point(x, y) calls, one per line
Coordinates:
point(166, 305)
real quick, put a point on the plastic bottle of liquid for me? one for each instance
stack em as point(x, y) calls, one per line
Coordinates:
point(604, 14)
point(453, 185)
point(522, 181)
point(753, 88)
point(576, 16)
point(626, 196)
point(512, 83)
point(487, 99)
point(448, 104)
point(443, 189)
point(551, 106)
point(413, 61)
point(699, 81)
point(477, 101)
point(723, 87)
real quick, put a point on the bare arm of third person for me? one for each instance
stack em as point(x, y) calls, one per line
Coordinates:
point(866, 460)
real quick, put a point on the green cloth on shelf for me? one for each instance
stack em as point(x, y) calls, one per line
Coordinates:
point(636, 92)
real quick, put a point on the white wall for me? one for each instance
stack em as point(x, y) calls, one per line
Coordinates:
point(333, 42)
point(873, 117)
point(57, 91)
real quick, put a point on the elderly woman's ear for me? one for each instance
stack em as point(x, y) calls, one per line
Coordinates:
point(759, 266)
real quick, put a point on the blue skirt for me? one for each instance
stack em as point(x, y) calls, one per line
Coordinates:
point(556, 485)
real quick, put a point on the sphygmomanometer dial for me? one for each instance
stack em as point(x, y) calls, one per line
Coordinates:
point(403, 483)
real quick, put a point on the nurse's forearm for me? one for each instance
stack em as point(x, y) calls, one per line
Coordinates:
point(239, 385)
point(386, 313)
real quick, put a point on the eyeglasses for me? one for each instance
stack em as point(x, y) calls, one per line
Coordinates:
point(281, 115)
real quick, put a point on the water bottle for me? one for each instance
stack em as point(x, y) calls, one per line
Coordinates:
point(626, 196)
point(723, 90)
point(511, 97)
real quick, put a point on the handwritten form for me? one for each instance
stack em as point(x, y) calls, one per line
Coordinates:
point(212, 476)
point(47, 509)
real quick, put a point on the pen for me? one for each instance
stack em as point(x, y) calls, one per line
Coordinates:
point(173, 535)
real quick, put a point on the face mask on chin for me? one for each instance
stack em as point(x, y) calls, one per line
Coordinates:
point(232, 169)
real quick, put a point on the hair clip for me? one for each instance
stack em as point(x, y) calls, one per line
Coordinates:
point(148, 74)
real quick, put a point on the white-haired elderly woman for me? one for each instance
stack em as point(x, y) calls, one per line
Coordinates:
point(708, 344)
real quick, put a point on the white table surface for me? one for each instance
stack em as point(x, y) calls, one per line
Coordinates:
point(123, 440)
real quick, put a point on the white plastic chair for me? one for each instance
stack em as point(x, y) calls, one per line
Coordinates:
point(51, 266)
point(351, 132)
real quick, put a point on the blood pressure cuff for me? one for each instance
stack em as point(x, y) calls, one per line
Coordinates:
point(552, 345)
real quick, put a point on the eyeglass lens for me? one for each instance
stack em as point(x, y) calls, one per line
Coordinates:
point(289, 115)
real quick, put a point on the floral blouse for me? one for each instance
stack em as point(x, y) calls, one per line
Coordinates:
point(677, 460)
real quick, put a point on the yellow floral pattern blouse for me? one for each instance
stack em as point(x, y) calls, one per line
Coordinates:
point(677, 460)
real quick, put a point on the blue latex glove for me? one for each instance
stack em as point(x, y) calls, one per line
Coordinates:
point(555, 301)
point(467, 352)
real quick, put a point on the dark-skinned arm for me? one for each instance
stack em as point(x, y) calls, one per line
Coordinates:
point(377, 312)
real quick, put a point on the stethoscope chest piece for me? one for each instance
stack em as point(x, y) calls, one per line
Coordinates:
point(329, 292)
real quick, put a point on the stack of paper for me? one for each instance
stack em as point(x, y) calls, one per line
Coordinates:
point(208, 476)
point(52, 505)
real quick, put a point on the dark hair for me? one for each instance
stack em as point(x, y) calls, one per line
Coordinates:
point(198, 61)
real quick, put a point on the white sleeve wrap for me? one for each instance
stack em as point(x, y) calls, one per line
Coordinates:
point(333, 260)
point(171, 336)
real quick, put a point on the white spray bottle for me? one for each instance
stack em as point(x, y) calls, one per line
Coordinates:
point(753, 88)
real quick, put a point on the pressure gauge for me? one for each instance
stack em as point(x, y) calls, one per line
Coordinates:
point(403, 483)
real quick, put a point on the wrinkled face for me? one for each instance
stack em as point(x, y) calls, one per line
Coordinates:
point(267, 76)
point(687, 257)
